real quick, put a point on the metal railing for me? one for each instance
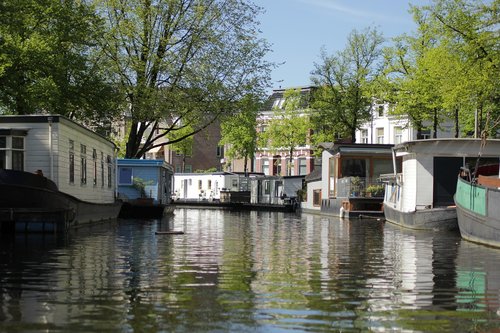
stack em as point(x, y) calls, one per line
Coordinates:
point(359, 187)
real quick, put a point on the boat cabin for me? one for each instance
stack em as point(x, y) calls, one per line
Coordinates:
point(206, 186)
point(351, 184)
point(275, 190)
point(145, 179)
point(79, 161)
point(428, 175)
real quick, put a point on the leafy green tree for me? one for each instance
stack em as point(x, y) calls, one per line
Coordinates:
point(345, 86)
point(449, 68)
point(239, 133)
point(289, 126)
point(47, 63)
point(182, 62)
point(183, 147)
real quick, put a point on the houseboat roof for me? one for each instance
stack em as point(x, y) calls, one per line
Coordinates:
point(46, 118)
point(142, 162)
point(449, 147)
point(217, 173)
point(315, 175)
point(360, 149)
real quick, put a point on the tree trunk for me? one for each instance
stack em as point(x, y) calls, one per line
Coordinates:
point(435, 124)
point(457, 129)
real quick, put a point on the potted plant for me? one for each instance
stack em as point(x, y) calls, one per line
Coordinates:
point(375, 190)
point(355, 186)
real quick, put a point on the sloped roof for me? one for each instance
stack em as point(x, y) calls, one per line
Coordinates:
point(279, 93)
point(314, 175)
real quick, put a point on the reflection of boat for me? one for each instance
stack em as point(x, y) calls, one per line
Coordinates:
point(29, 202)
point(477, 281)
point(421, 195)
point(478, 205)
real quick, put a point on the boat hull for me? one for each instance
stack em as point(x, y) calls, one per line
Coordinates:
point(30, 204)
point(151, 211)
point(478, 213)
point(444, 218)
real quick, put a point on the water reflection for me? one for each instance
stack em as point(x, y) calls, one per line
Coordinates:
point(248, 271)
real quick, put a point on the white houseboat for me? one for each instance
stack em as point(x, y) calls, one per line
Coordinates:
point(419, 193)
point(54, 174)
point(205, 186)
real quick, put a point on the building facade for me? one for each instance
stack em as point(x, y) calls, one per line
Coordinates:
point(384, 128)
point(275, 162)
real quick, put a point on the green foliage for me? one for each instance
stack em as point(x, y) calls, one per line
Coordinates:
point(209, 170)
point(345, 83)
point(182, 63)
point(47, 61)
point(289, 127)
point(239, 133)
point(375, 190)
point(449, 68)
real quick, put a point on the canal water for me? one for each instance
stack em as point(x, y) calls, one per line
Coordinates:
point(248, 272)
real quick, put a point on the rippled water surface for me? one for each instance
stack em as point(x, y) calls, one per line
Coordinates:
point(248, 272)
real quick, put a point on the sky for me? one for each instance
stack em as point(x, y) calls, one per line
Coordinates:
point(298, 29)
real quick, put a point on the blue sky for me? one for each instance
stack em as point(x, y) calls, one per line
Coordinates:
point(298, 29)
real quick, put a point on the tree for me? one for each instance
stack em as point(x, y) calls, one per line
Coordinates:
point(47, 63)
point(289, 127)
point(239, 132)
point(183, 147)
point(182, 63)
point(449, 68)
point(345, 85)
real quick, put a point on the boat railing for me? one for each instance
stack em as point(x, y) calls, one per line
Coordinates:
point(360, 187)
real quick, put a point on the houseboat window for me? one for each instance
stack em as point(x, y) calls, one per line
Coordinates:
point(200, 184)
point(302, 166)
point(317, 198)
point(380, 135)
point(353, 167)
point(102, 169)
point(94, 157)
point(125, 176)
point(278, 189)
point(71, 161)
point(110, 171)
point(17, 153)
point(209, 184)
point(83, 164)
point(382, 166)
point(3, 158)
point(267, 187)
